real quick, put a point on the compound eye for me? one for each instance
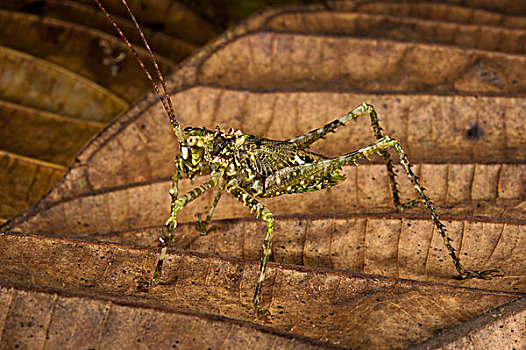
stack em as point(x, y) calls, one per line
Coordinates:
point(191, 141)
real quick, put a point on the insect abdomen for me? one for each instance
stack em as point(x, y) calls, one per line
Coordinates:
point(307, 184)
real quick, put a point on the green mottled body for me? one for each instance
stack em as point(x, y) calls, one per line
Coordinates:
point(250, 167)
point(264, 168)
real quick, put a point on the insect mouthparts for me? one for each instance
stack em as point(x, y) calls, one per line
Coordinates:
point(184, 152)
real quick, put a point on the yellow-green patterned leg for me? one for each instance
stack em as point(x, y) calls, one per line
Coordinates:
point(203, 226)
point(261, 211)
point(321, 168)
point(295, 174)
point(304, 141)
point(463, 272)
point(171, 223)
point(377, 131)
point(384, 143)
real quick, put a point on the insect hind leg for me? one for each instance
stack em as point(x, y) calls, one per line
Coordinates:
point(329, 165)
point(463, 272)
point(364, 109)
point(305, 140)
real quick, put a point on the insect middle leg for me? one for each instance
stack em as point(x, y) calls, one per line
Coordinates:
point(171, 223)
point(203, 226)
point(261, 211)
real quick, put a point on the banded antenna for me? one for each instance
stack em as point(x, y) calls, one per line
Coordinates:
point(165, 99)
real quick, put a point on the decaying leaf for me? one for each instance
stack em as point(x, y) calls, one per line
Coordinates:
point(327, 305)
point(61, 319)
point(348, 271)
point(21, 175)
point(54, 138)
point(64, 71)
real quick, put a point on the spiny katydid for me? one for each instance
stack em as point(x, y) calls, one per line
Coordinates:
point(249, 167)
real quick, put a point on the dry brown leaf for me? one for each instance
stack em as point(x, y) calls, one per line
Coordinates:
point(469, 151)
point(402, 246)
point(23, 181)
point(54, 138)
point(505, 13)
point(383, 65)
point(501, 328)
point(327, 305)
point(168, 16)
point(71, 320)
point(55, 40)
point(89, 16)
point(403, 28)
point(55, 59)
point(54, 89)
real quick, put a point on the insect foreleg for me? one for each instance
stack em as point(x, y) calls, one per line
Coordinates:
point(261, 211)
point(171, 223)
point(203, 226)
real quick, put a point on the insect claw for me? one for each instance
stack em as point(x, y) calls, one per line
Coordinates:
point(144, 284)
point(260, 312)
point(484, 274)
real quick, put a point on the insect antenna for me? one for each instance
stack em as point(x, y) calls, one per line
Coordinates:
point(165, 98)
